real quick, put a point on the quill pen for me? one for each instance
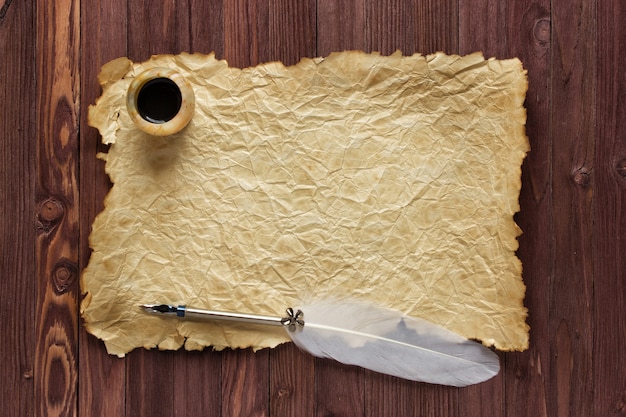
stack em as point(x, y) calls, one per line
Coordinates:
point(374, 338)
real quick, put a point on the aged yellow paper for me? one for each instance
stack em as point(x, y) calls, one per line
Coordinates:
point(391, 179)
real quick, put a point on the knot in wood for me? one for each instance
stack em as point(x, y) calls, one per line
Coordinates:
point(50, 210)
point(541, 31)
point(5, 8)
point(581, 177)
point(49, 214)
point(620, 168)
point(58, 369)
point(620, 407)
point(63, 276)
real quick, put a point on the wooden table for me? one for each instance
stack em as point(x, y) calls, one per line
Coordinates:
point(573, 205)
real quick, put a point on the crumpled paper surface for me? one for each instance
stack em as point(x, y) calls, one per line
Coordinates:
point(389, 179)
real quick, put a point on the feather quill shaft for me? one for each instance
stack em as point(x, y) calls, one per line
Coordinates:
point(386, 341)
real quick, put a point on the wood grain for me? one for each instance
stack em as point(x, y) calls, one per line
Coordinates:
point(150, 383)
point(437, 26)
point(340, 26)
point(483, 26)
point(198, 384)
point(411, 26)
point(527, 373)
point(339, 389)
point(292, 385)
point(245, 382)
point(103, 38)
point(388, 395)
point(573, 125)
point(57, 216)
point(206, 23)
point(390, 26)
point(609, 209)
point(292, 34)
point(17, 209)
point(157, 28)
point(246, 32)
point(572, 205)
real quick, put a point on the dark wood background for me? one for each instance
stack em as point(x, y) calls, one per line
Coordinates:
point(573, 205)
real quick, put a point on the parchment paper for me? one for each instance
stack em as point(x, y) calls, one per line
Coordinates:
point(389, 179)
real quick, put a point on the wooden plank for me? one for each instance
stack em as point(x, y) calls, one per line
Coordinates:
point(424, 26)
point(246, 32)
point(437, 401)
point(391, 396)
point(206, 26)
point(390, 26)
point(102, 387)
point(437, 26)
point(292, 32)
point(157, 28)
point(486, 399)
point(609, 206)
point(527, 380)
point(103, 38)
point(245, 381)
point(150, 383)
point(573, 130)
point(340, 389)
point(340, 26)
point(292, 382)
point(483, 27)
point(197, 380)
point(56, 247)
point(17, 197)
point(505, 30)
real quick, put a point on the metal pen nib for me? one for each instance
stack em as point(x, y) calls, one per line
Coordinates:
point(158, 308)
point(291, 321)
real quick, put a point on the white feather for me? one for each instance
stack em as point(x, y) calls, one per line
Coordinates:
point(389, 342)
